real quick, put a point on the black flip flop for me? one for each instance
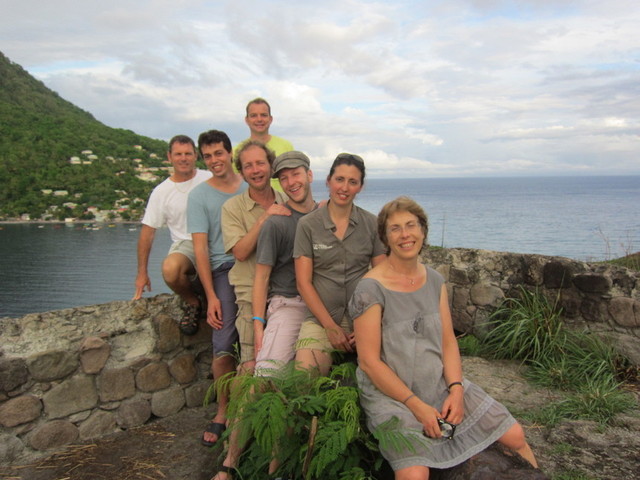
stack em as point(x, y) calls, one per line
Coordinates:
point(215, 428)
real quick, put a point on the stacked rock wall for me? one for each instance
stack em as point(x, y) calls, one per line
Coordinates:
point(602, 298)
point(85, 372)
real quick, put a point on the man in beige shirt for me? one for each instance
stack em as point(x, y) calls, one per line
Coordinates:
point(242, 218)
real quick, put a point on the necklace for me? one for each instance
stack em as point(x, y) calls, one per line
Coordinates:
point(409, 279)
point(187, 184)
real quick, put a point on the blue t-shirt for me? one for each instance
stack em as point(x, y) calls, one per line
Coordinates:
point(204, 209)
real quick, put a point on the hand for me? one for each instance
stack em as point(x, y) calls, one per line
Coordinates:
point(339, 339)
point(214, 313)
point(142, 281)
point(453, 406)
point(258, 336)
point(428, 417)
point(278, 209)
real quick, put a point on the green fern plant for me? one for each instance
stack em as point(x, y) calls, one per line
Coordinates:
point(312, 425)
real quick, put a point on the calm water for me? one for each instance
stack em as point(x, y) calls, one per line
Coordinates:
point(50, 267)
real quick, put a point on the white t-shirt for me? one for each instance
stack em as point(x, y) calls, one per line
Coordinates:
point(167, 205)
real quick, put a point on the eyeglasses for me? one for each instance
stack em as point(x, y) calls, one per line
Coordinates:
point(410, 227)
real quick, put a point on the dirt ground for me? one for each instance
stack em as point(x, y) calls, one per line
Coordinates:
point(166, 448)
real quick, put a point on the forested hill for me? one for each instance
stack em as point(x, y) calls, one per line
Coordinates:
point(42, 133)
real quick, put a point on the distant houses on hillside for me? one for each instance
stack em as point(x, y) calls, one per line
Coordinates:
point(147, 174)
point(124, 207)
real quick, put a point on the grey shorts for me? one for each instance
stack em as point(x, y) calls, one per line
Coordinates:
point(185, 247)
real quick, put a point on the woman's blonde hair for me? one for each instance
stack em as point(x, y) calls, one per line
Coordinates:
point(402, 204)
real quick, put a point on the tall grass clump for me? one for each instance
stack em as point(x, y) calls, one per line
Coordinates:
point(530, 329)
point(527, 328)
point(312, 425)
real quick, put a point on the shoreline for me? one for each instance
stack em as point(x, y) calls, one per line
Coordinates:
point(63, 222)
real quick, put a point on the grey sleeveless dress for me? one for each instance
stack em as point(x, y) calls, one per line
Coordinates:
point(411, 347)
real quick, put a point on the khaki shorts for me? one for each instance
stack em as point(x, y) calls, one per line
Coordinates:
point(313, 336)
point(244, 325)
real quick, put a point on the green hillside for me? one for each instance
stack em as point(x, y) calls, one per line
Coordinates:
point(41, 132)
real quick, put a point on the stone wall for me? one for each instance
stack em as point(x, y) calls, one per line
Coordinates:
point(82, 373)
point(85, 372)
point(602, 298)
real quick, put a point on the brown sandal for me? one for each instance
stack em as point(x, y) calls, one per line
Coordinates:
point(189, 321)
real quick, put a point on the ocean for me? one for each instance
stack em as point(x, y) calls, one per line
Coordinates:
point(53, 266)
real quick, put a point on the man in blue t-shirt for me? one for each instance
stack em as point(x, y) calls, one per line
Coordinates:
point(213, 263)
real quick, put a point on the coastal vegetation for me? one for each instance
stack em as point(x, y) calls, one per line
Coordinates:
point(584, 366)
point(631, 261)
point(49, 146)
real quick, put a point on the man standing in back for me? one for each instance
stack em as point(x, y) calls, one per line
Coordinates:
point(258, 118)
point(242, 219)
point(213, 263)
point(167, 205)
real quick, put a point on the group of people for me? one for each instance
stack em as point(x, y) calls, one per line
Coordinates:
point(291, 280)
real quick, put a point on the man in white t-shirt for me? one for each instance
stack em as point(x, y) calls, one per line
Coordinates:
point(168, 206)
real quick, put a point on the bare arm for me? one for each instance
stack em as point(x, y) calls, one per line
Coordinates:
point(304, 281)
point(145, 242)
point(247, 244)
point(453, 406)
point(368, 332)
point(259, 302)
point(201, 250)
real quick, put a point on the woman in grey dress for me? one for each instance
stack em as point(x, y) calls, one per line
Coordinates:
point(409, 362)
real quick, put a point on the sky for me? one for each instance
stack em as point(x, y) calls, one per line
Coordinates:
point(457, 88)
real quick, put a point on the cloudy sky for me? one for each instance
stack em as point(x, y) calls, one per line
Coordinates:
point(418, 88)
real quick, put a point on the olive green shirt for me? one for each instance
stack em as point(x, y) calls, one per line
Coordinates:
point(338, 265)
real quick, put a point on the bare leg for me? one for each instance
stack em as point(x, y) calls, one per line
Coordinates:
point(312, 360)
point(176, 270)
point(412, 473)
point(235, 449)
point(220, 367)
point(514, 439)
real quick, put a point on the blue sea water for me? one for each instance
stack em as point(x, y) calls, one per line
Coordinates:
point(54, 266)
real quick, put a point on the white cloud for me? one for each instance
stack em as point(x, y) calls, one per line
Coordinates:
point(478, 87)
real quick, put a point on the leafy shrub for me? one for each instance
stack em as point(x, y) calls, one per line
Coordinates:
point(469, 345)
point(312, 425)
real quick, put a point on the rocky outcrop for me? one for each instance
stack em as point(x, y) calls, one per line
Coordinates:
point(82, 373)
point(602, 298)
